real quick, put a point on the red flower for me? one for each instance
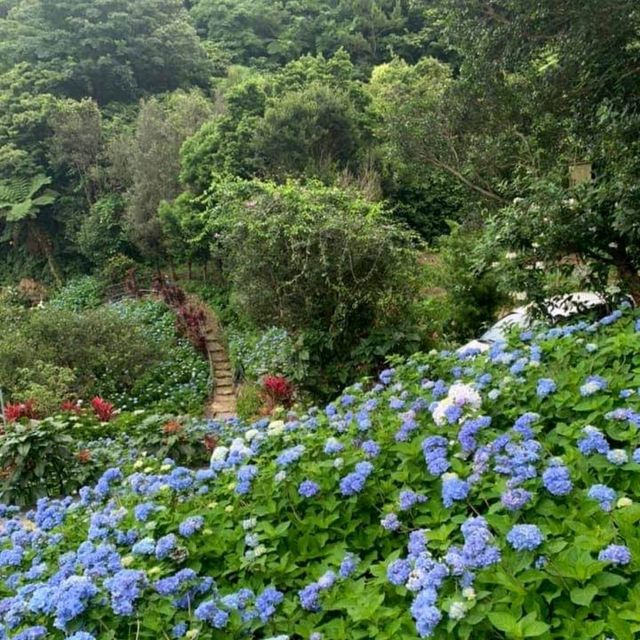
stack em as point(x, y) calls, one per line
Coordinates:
point(103, 409)
point(279, 390)
point(69, 406)
point(13, 412)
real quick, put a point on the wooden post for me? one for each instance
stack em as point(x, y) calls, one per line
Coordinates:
point(4, 417)
point(579, 173)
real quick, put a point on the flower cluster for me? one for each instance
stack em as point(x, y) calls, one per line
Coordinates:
point(467, 475)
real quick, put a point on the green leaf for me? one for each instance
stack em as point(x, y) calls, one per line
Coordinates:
point(504, 621)
point(535, 628)
point(583, 596)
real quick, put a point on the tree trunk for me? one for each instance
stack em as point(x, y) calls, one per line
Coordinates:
point(189, 271)
point(630, 279)
point(45, 246)
point(172, 269)
point(627, 272)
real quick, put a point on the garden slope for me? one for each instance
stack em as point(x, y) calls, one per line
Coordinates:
point(476, 496)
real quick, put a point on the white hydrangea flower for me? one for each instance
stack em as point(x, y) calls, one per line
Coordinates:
point(458, 610)
point(464, 395)
point(219, 454)
point(275, 428)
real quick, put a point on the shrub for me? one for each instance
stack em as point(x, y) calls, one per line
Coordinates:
point(455, 497)
point(183, 440)
point(36, 460)
point(103, 409)
point(45, 383)
point(20, 410)
point(317, 260)
point(127, 352)
point(258, 353)
point(85, 292)
point(249, 401)
point(279, 390)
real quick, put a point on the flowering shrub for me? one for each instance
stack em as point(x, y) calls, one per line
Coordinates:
point(279, 390)
point(103, 409)
point(448, 499)
point(19, 410)
point(269, 352)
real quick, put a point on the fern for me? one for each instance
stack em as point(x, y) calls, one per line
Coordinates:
point(18, 199)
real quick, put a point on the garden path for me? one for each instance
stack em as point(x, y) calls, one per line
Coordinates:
point(222, 403)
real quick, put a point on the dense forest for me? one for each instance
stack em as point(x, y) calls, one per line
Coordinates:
point(433, 157)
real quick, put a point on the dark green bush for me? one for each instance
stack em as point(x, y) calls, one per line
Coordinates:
point(323, 263)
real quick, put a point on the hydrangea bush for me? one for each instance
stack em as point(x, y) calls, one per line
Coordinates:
point(455, 497)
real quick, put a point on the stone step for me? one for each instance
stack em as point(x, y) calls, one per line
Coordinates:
point(222, 408)
point(223, 391)
point(223, 380)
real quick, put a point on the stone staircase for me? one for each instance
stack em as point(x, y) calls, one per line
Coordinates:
point(223, 401)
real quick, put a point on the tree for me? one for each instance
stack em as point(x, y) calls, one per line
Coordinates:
point(223, 145)
point(77, 142)
point(20, 204)
point(108, 50)
point(553, 84)
point(185, 226)
point(321, 262)
point(269, 34)
point(154, 162)
point(315, 131)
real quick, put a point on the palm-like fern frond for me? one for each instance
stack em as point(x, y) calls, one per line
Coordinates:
point(21, 198)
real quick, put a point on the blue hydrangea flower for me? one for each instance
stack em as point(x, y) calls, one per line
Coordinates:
point(557, 480)
point(308, 489)
point(179, 630)
point(289, 456)
point(468, 431)
point(144, 547)
point(545, 387)
point(354, 482)
point(593, 441)
point(165, 546)
point(390, 522)
point(267, 602)
point(191, 526)
point(208, 611)
point(333, 446)
point(525, 537)
point(604, 495)
point(32, 633)
point(426, 615)
point(434, 449)
point(348, 565)
point(615, 554)
point(409, 499)
point(371, 448)
point(617, 456)
point(143, 511)
point(592, 385)
point(398, 572)
point(453, 489)
point(514, 499)
point(310, 597)
point(125, 588)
